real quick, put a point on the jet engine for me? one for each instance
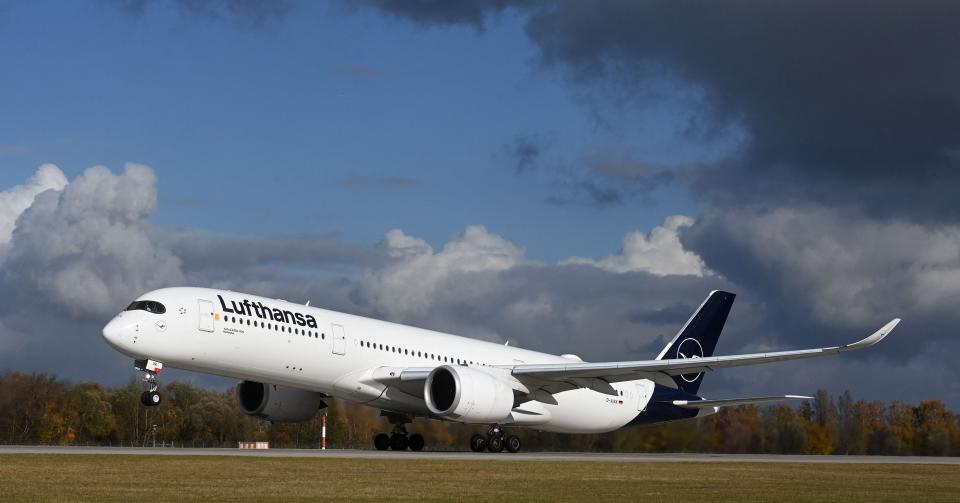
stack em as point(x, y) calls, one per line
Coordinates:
point(278, 403)
point(467, 395)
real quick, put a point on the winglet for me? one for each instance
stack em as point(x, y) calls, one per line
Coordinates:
point(873, 339)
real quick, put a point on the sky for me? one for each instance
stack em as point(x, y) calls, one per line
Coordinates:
point(569, 176)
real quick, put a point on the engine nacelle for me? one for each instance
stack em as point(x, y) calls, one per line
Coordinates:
point(278, 403)
point(467, 395)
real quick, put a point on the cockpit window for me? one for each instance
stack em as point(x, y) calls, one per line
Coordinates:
point(149, 306)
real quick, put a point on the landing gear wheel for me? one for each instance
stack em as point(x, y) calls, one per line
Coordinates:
point(416, 442)
point(150, 369)
point(495, 443)
point(381, 441)
point(399, 442)
point(513, 443)
point(150, 398)
point(478, 443)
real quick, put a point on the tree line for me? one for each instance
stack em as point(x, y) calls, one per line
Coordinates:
point(42, 409)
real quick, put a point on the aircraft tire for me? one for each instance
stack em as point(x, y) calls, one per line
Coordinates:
point(495, 443)
point(150, 398)
point(381, 441)
point(399, 442)
point(416, 442)
point(478, 443)
point(513, 443)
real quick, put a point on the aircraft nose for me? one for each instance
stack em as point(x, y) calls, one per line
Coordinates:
point(115, 331)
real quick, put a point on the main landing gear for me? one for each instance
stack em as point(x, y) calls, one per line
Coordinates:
point(399, 440)
point(150, 369)
point(495, 441)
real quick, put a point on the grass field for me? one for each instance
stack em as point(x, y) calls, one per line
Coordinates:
point(39, 477)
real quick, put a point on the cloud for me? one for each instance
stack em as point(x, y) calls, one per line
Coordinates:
point(430, 12)
point(834, 206)
point(659, 253)
point(78, 254)
point(408, 284)
point(524, 152)
point(626, 168)
point(81, 251)
point(15, 200)
point(602, 180)
point(84, 248)
point(481, 285)
point(849, 270)
point(833, 105)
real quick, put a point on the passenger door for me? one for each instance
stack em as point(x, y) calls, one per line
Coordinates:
point(206, 315)
point(339, 340)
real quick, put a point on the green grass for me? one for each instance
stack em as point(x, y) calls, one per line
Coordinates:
point(40, 477)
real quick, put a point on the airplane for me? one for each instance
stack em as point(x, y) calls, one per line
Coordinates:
point(290, 358)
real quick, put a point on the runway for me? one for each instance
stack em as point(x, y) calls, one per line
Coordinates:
point(470, 456)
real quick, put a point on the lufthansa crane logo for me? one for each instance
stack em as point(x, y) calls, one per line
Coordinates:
point(690, 348)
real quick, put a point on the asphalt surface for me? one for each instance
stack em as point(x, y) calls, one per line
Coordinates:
point(470, 456)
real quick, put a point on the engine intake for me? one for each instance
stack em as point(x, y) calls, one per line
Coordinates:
point(278, 403)
point(467, 395)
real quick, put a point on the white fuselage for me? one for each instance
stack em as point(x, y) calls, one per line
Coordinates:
point(342, 355)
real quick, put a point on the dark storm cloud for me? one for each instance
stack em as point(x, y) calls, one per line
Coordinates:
point(842, 101)
point(836, 206)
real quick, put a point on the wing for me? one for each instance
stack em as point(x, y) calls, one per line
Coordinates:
point(654, 369)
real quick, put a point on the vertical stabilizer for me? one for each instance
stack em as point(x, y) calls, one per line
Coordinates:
point(698, 337)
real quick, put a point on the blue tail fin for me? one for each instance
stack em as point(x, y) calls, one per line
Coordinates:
point(698, 337)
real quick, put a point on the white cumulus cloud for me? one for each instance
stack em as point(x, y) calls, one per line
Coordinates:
point(407, 285)
point(659, 253)
point(86, 246)
point(15, 200)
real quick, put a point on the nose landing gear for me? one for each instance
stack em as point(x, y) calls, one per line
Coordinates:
point(150, 369)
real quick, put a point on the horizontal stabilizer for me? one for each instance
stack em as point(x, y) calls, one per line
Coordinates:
point(700, 404)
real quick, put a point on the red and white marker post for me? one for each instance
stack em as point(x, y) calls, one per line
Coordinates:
point(323, 432)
